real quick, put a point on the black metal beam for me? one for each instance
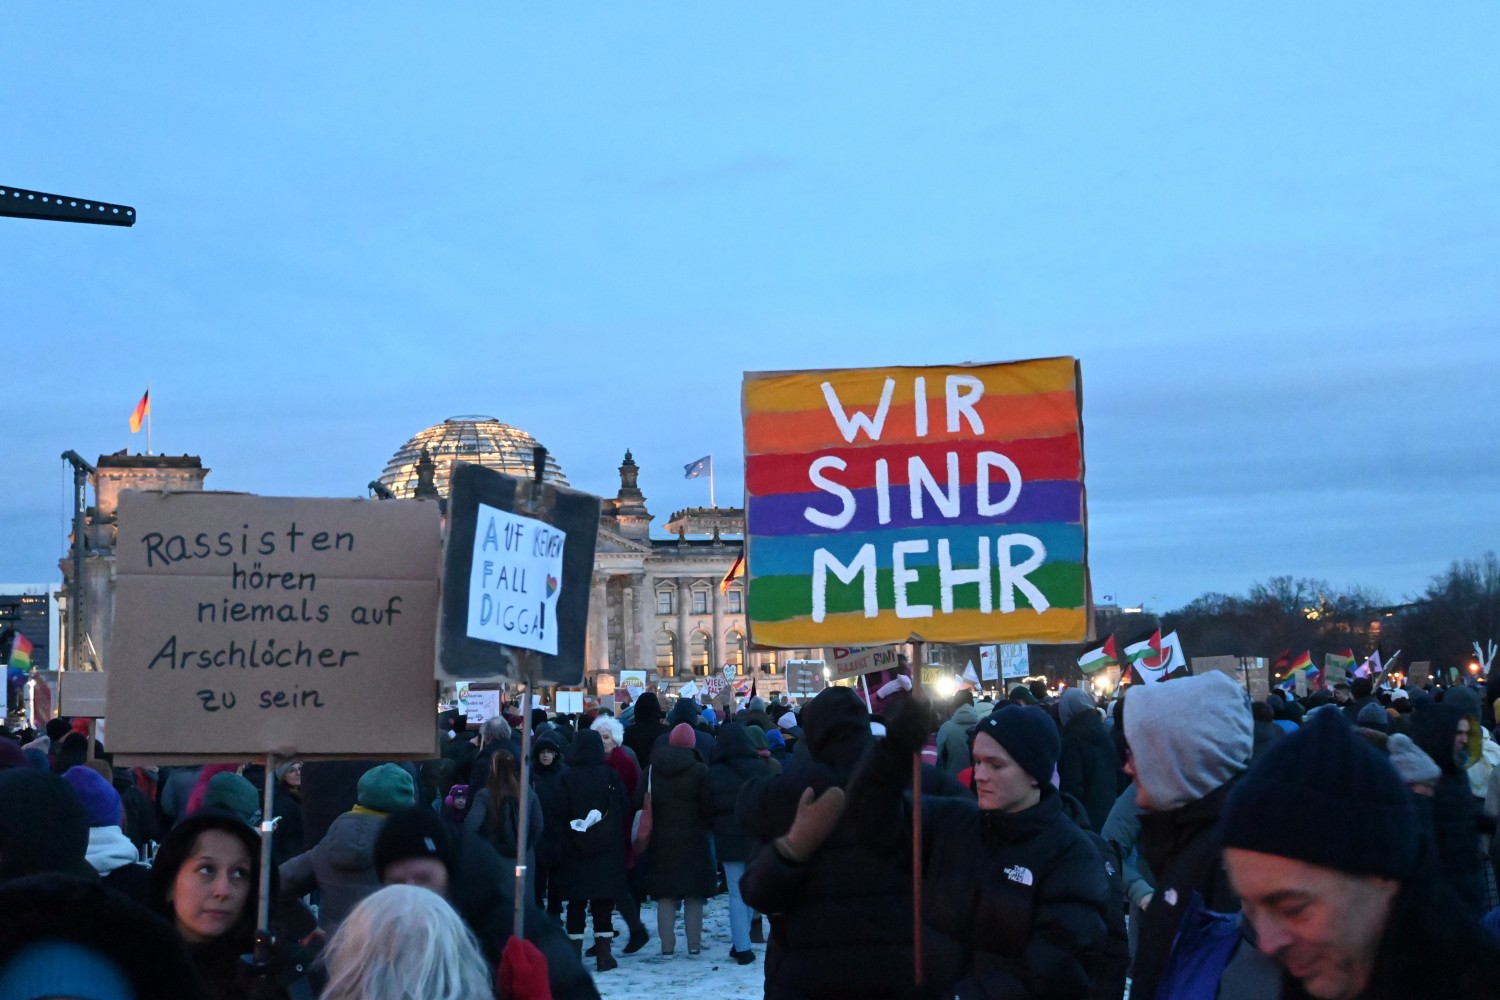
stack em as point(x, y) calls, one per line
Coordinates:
point(18, 203)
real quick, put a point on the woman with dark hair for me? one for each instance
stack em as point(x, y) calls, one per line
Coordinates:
point(592, 874)
point(204, 881)
point(496, 814)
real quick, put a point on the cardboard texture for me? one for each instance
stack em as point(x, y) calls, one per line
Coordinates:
point(517, 579)
point(941, 503)
point(1229, 665)
point(844, 662)
point(1258, 677)
point(1420, 673)
point(81, 694)
point(246, 626)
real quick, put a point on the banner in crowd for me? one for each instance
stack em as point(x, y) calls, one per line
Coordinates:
point(945, 503)
point(845, 661)
point(1015, 660)
point(517, 573)
point(248, 625)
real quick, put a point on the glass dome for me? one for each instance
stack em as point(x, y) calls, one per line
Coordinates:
point(480, 440)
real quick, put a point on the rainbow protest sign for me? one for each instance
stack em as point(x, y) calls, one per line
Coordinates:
point(945, 503)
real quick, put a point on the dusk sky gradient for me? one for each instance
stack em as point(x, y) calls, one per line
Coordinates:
point(1270, 232)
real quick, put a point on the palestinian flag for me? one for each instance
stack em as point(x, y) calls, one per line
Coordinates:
point(1098, 659)
point(1138, 651)
point(1158, 658)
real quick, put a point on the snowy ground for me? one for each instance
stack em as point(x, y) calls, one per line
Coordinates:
point(647, 975)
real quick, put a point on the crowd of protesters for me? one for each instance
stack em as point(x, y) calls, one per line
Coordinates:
point(1175, 842)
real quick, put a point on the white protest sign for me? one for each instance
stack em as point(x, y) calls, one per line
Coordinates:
point(569, 702)
point(481, 705)
point(689, 690)
point(729, 671)
point(514, 580)
point(713, 685)
point(989, 663)
point(1015, 660)
point(632, 679)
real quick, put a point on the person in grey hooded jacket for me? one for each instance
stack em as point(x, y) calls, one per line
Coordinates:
point(953, 735)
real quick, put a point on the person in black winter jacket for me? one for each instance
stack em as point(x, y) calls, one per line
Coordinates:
point(547, 769)
point(1009, 880)
point(1455, 812)
point(679, 860)
point(1088, 767)
point(647, 725)
point(735, 762)
point(840, 914)
point(416, 847)
point(592, 872)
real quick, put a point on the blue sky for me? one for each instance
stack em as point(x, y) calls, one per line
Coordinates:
point(1269, 233)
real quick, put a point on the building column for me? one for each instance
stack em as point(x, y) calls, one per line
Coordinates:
point(684, 646)
point(600, 608)
point(645, 624)
point(716, 650)
point(628, 638)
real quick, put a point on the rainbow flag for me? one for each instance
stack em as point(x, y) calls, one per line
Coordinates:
point(943, 502)
point(20, 652)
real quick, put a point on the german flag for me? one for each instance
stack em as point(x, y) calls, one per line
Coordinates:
point(142, 409)
point(738, 569)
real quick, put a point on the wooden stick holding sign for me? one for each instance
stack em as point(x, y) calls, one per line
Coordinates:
point(527, 660)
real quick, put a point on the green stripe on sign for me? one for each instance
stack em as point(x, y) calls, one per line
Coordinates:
point(778, 598)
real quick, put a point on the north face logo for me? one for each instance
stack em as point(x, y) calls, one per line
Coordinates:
point(1018, 874)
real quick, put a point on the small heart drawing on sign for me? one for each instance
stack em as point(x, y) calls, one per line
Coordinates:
point(551, 584)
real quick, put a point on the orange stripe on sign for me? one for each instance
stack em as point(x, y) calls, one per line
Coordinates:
point(863, 387)
point(1005, 418)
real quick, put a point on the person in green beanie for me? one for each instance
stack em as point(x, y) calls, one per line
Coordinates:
point(233, 793)
point(342, 865)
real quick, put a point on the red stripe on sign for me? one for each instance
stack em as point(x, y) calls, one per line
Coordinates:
point(1037, 458)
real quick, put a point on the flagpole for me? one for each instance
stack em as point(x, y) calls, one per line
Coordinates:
point(711, 502)
point(148, 418)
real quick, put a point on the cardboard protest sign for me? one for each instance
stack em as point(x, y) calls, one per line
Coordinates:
point(247, 625)
point(1229, 665)
point(1257, 677)
point(945, 503)
point(1420, 673)
point(844, 661)
point(516, 577)
point(81, 693)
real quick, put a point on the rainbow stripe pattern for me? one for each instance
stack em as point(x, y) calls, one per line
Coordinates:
point(942, 502)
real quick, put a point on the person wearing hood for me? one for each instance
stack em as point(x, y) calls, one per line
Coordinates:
point(547, 770)
point(645, 727)
point(1190, 739)
point(43, 826)
point(777, 748)
point(592, 873)
point(679, 869)
point(1446, 734)
point(841, 921)
point(755, 714)
point(1324, 845)
point(110, 852)
point(687, 710)
point(734, 764)
point(1087, 767)
point(342, 865)
point(953, 735)
point(205, 882)
point(1015, 893)
point(416, 847)
point(1265, 728)
point(762, 745)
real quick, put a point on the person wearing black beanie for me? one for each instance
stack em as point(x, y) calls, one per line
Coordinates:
point(1324, 844)
point(1010, 880)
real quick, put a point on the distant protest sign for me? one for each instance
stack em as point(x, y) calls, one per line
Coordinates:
point(943, 503)
point(1419, 674)
point(843, 661)
point(989, 663)
point(1015, 660)
point(1257, 677)
point(1228, 665)
point(81, 694)
point(516, 577)
point(247, 625)
point(480, 705)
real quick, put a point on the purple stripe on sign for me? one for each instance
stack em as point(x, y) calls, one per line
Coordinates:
point(1045, 500)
